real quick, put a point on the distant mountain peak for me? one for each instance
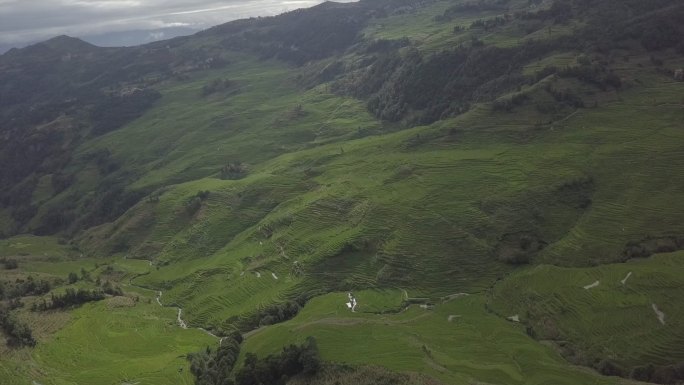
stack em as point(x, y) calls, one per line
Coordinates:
point(68, 44)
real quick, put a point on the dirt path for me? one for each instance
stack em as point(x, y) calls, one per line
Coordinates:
point(593, 285)
point(356, 321)
point(179, 319)
point(624, 280)
point(454, 296)
point(659, 314)
point(181, 323)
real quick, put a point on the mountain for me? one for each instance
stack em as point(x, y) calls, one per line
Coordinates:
point(137, 37)
point(492, 186)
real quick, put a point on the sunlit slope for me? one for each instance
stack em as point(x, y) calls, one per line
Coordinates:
point(457, 342)
point(127, 338)
point(433, 209)
point(627, 313)
point(107, 344)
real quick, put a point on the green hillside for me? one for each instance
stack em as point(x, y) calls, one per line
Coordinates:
point(248, 177)
point(597, 313)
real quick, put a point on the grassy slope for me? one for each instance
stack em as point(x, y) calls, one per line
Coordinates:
point(473, 346)
point(434, 213)
point(603, 321)
point(118, 340)
point(421, 209)
point(104, 344)
point(424, 208)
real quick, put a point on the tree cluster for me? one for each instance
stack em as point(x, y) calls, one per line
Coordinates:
point(213, 367)
point(652, 245)
point(508, 103)
point(489, 24)
point(110, 289)
point(659, 374)
point(278, 313)
point(471, 7)
point(70, 298)
point(277, 369)
point(113, 111)
point(194, 203)
point(593, 73)
point(234, 170)
point(9, 263)
point(422, 88)
point(18, 333)
point(23, 288)
point(274, 313)
point(216, 85)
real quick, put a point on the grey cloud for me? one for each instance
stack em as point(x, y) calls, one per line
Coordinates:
point(24, 21)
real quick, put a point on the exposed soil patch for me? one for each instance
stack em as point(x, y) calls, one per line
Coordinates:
point(119, 301)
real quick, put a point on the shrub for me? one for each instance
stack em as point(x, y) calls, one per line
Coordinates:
point(18, 333)
point(10, 264)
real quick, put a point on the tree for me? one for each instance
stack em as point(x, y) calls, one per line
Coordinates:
point(234, 170)
point(73, 277)
point(310, 357)
point(10, 264)
point(643, 373)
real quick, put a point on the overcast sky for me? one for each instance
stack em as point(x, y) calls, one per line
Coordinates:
point(23, 21)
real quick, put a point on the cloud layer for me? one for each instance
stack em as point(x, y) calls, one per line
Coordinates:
point(23, 21)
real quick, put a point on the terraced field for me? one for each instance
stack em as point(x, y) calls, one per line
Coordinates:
point(451, 239)
point(329, 199)
point(603, 310)
point(111, 343)
point(457, 342)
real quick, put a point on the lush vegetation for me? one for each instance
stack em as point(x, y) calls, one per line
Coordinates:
point(278, 369)
point(17, 333)
point(246, 179)
point(214, 367)
point(559, 304)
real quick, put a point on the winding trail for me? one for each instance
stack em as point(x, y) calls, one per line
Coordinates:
point(182, 324)
point(626, 278)
point(659, 314)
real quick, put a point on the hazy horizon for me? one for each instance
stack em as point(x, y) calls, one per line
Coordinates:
point(124, 22)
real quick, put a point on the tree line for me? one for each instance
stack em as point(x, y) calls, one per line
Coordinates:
point(214, 367)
